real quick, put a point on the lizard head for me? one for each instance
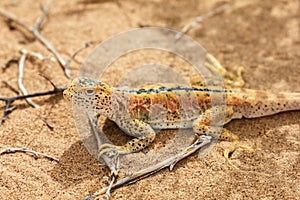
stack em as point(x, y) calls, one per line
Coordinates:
point(90, 94)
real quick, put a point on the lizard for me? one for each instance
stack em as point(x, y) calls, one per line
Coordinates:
point(139, 111)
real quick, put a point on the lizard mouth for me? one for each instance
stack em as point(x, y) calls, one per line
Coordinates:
point(67, 95)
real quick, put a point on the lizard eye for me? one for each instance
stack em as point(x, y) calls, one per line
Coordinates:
point(89, 92)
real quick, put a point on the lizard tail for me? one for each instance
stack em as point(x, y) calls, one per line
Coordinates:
point(261, 103)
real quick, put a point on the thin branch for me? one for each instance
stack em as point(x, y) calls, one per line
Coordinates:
point(11, 87)
point(36, 55)
point(170, 162)
point(9, 100)
point(199, 19)
point(40, 19)
point(26, 53)
point(9, 62)
point(21, 61)
point(8, 110)
point(25, 150)
point(20, 82)
point(17, 21)
point(86, 45)
point(45, 77)
point(35, 32)
point(48, 124)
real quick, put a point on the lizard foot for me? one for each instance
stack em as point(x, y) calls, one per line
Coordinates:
point(228, 152)
point(229, 136)
point(109, 149)
point(234, 80)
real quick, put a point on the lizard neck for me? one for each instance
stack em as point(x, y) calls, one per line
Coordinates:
point(103, 101)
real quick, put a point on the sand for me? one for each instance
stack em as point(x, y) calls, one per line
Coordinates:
point(262, 36)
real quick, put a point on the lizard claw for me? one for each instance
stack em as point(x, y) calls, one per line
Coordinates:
point(110, 150)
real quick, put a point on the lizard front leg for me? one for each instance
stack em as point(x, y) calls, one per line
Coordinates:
point(143, 132)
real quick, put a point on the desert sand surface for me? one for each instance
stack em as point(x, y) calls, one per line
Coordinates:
point(262, 36)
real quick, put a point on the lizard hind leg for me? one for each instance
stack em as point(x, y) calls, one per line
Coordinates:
point(211, 123)
point(227, 135)
point(212, 120)
point(233, 80)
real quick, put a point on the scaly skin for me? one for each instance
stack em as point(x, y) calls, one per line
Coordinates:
point(139, 111)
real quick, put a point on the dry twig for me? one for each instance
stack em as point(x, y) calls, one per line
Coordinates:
point(86, 45)
point(20, 82)
point(25, 150)
point(11, 87)
point(48, 124)
point(26, 53)
point(199, 19)
point(136, 176)
point(9, 100)
point(9, 62)
point(34, 30)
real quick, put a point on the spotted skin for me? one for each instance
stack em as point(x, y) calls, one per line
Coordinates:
point(141, 110)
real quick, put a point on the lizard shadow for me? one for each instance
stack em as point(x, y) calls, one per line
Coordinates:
point(245, 127)
point(77, 164)
point(267, 131)
point(274, 140)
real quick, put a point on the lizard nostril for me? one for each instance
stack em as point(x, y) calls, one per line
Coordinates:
point(65, 94)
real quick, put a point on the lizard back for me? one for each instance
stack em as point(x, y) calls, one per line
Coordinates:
point(166, 106)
